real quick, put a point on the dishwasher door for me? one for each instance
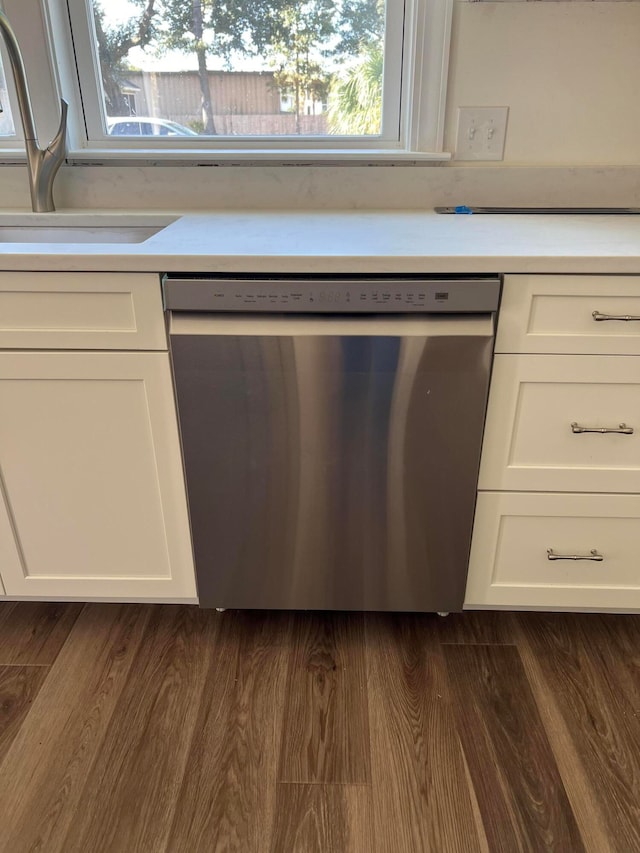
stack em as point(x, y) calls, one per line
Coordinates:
point(331, 462)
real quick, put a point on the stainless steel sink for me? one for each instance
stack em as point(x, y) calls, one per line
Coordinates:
point(74, 228)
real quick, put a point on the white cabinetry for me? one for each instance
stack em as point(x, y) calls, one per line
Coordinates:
point(558, 516)
point(103, 311)
point(92, 500)
point(539, 406)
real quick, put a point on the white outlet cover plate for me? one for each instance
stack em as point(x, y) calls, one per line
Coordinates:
point(481, 133)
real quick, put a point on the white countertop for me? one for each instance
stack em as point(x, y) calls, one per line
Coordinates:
point(348, 242)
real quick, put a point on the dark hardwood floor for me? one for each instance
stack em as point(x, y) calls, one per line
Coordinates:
point(149, 728)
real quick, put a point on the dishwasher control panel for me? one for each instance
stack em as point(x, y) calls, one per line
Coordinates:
point(333, 295)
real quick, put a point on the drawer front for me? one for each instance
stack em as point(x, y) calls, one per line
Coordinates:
point(554, 314)
point(510, 565)
point(81, 311)
point(530, 443)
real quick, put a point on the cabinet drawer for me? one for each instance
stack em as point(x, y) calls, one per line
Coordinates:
point(510, 564)
point(530, 444)
point(554, 314)
point(81, 311)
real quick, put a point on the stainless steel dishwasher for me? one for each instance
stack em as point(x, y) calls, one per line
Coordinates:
point(331, 431)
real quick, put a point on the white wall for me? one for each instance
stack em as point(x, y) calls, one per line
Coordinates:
point(569, 72)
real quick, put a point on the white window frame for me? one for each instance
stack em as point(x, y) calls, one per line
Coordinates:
point(14, 142)
point(413, 125)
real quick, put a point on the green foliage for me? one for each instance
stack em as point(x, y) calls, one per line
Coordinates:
point(182, 25)
point(355, 101)
point(360, 25)
point(298, 30)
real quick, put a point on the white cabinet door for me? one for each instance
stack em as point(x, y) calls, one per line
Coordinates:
point(92, 478)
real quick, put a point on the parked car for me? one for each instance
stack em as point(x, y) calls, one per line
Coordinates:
point(146, 126)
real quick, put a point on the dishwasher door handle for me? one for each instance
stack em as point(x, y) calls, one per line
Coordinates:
point(338, 326)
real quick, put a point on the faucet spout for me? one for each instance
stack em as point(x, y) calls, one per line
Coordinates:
point(43, 163)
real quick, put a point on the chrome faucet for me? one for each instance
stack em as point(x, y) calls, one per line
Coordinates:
point(43, 163)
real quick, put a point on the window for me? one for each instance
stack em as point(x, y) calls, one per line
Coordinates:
point(299, 79)
point(225, 69)
point(7, 127)
point(129, 103)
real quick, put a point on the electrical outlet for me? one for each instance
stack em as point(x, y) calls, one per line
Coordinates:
point(481, 133)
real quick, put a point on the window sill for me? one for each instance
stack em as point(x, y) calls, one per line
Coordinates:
point(254, 157)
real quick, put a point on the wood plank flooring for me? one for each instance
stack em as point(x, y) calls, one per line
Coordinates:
point(167, 729)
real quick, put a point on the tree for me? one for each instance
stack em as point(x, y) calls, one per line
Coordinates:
point(360, 25)
point(292, 32)
point(355, 100)
point(355, 104)
point(296, 39)
point(202, 27)
point(114, 45)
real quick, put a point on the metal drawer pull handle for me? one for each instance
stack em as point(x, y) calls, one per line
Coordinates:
point(593, 555)
point(621, 429)
point(598, 316)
